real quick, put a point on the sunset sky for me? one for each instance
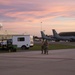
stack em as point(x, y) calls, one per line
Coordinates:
point(32, 16)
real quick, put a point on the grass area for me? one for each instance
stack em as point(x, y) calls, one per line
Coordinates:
point(52, 47)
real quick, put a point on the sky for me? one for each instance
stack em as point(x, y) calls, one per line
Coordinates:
point(32, 16)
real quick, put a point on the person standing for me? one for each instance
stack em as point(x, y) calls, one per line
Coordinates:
point(42, 47)
point(45, 45)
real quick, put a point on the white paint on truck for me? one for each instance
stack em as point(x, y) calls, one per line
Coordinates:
point(23, 41)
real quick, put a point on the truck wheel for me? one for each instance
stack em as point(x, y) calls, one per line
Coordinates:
point(23, 47)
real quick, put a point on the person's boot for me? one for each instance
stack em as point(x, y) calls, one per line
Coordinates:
point(47, 52)
point(44, 51)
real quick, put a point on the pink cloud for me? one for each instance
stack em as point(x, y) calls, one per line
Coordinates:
point(5, 2)
point(20, 9)
point(14, 13)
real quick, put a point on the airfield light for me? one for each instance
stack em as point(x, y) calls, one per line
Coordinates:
point(41, 26)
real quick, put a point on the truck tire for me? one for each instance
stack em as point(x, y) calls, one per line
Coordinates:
point(23, 47)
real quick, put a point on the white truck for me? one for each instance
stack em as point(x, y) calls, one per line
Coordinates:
point(23, 41)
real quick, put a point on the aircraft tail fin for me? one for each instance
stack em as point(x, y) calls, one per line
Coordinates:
point(55, 34)
point(43, 35)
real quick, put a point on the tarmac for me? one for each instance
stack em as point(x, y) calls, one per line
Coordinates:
point(57, 62)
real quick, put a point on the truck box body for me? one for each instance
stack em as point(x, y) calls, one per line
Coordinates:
point(23, 41)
